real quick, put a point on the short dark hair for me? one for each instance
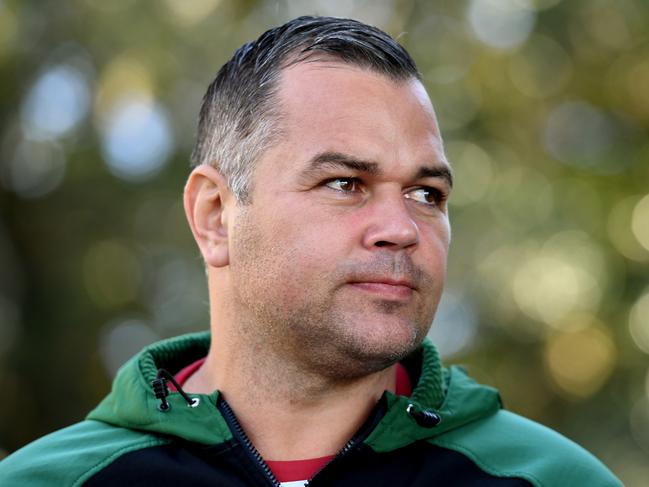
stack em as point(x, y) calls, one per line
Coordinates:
point(239, 118)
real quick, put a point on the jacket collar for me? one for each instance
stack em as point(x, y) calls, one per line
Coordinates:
point(131, 404)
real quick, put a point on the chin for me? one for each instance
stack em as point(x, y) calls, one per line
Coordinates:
point(373, 352)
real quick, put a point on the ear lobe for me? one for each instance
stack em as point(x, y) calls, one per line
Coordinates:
point(206, 200)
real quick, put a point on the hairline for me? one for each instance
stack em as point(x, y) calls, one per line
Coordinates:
point(278, 116)
point(234, 134)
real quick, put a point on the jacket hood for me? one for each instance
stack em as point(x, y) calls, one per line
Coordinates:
point(448, 392)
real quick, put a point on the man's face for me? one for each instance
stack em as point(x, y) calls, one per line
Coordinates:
point(339, 260)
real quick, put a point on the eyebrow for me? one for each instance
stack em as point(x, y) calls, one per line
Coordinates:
point(338, 159)
point(329, 159)
point(443, 172)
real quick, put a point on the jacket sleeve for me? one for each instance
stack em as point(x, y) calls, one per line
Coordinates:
point(509, 445)
point(70, 456)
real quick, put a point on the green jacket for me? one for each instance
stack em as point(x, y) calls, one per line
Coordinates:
point(451, 431)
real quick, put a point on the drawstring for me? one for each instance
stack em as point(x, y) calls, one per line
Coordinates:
point(161, 391)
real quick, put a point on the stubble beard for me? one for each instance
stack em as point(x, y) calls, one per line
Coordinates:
point(314, 333)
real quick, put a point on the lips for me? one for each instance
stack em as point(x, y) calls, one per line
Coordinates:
point(390, 281)
point(385, 288)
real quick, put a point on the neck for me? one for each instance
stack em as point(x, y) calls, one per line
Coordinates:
point(287, 413)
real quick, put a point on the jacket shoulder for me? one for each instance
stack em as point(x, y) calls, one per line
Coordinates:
point(70, 456)
point(508, 445)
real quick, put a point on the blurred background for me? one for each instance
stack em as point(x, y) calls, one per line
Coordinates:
point(544, 106)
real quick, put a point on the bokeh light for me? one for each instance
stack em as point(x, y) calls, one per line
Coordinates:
point(56, 103)
point(123, 77)
point(175, 293)
point(137, 139)
point(36, 169)
point(474, 171)
point(578, 134)
point(640, 222)
point(189, 12)
point(121, 339)
point(639, 322)
point(497, 268)
point(505, 199)
point(455, 326)
point(566, 276)
point(501, 23)
point(443, 48)
point(456, 104)
point(374, 12)
point(580, 362)
point(136, 135)
point(541, 68)
point(620, 230)
point(608, 26)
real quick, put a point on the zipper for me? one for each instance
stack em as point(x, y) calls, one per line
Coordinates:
point(375, 416)
point(254, 455)
point(345, 449)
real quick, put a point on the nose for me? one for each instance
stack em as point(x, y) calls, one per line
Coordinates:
point(390, 225)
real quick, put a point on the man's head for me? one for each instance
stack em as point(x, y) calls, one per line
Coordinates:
point(335, 257)
point(240, 116)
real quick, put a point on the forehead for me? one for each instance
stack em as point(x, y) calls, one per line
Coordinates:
point(331, 106)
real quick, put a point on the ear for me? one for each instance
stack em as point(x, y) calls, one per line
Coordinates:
point(206, 200)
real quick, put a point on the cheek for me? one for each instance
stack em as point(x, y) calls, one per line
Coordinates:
point(436, 239)
point(300, 252)
point(318, 233)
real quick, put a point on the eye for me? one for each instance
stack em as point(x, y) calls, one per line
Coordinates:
point(427, 196)
point(345, 185)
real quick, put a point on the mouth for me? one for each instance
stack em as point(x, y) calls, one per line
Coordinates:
point(385, 288)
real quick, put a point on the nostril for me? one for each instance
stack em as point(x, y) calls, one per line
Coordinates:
point(382, 243)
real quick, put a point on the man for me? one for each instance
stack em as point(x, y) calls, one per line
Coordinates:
point(318, 202)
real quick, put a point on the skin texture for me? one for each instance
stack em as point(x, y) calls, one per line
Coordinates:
point(334, 271)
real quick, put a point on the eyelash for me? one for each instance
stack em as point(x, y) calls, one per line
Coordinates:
point(439, 195)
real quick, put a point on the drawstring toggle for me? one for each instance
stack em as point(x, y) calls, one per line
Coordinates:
point(425, 417)
point(161, 391)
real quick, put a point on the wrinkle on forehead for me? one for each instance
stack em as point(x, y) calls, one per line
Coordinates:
point(329, 105)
